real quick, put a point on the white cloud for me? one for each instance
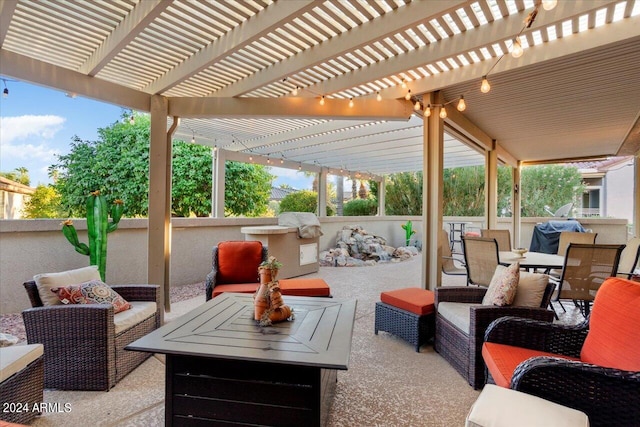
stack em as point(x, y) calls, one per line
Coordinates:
point(29, 126)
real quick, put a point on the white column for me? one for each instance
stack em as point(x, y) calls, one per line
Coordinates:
point(159, 235)
point(322, 192)
point(516, 204)
point(381, 197)
point(219, 183)
point(491, 189)
point(433, 153)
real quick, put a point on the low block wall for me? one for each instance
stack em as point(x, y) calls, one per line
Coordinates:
point(29, 247)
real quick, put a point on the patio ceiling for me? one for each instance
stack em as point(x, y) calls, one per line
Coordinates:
point(575, 93)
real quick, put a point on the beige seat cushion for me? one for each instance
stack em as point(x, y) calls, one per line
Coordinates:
point(139, 311)
point(458, 313)
point(498, 407)
point(15, 358)
point(46, 281)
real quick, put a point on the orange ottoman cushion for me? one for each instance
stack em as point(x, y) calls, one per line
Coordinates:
point(415, 300)
point(305, 287)
point(243, 288)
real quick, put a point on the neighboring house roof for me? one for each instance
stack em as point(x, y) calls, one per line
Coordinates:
point(603, 165)
point(15, 187)
point(279, 193)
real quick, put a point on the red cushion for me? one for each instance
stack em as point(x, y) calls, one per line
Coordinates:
point(243, 288)
point(415, 300)
point(305, 287)
point(502, 360)
point(238, 262)
point(613, 340)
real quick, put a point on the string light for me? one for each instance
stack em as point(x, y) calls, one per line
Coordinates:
point(516, 49)
point(408, 95)
point(416, 106)
point(427, 111)
point(485, 87)
point(132, 121)
point(5, 92)
point(404, 84)
point(443, 112)
point(193, 138)
point(549, 4)
point(322, 100)
point(215, 147)
point(379, 97)
point(461, 104)
point(295, 91)
point(350, 102)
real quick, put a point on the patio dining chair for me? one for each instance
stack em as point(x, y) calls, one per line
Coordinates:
point(449, 262)
point(586, 267)
point(481, 259)
point(503, 237)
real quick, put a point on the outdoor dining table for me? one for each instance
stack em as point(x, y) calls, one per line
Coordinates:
point(533, 260)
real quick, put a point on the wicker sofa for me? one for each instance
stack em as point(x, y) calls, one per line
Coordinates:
point(593, 367)
point(461, 344)
point(83, 350)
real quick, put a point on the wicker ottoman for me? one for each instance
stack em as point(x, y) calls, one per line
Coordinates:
point(21, 381)
point(407, 313)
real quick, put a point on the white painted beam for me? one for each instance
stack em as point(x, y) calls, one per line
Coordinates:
point(337, 109)
point(41, 73)
point(7, 8)
point(137, 20)
point(252, 29)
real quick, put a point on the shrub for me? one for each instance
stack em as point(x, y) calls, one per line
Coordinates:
point(303, 201)
point(360, 207)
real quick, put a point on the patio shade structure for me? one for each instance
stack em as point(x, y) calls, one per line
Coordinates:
point(248, 77)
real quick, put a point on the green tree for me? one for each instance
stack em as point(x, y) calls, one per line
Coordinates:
point(20, 175)
point(358, 207)
point(191, 187)
point(44, 203)
point(403, 194)
point(549, 185)
point(118, 165)
point(303, 201)
point(247, 190)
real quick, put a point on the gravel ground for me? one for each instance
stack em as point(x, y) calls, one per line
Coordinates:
point(12, 323)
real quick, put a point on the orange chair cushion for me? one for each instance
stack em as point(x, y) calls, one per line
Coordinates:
point(415, 300)
point(613, 340)
point(305, 287)
point(502, 360)
point(238, 262)
point(243, 288)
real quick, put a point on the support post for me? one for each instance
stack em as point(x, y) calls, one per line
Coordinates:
point(159, 234)
point(516, 204)
point(322, 192)
point(433, 154)
point(219, 183)
point(491, 188)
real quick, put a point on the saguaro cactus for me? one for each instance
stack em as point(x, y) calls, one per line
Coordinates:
point(98, 226)
point(408, 232)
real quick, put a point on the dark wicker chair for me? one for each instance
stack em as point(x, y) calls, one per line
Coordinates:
point(462, 349)
point(607, 395)
point(244, 274)
point(81, 349)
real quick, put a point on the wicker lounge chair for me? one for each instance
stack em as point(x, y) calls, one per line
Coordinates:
point(462, 348)
point(593, 367)
point(82, 350)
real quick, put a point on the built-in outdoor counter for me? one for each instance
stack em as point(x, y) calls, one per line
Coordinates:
point(298, 256)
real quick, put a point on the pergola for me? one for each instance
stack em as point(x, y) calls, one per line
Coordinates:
point(332, 86)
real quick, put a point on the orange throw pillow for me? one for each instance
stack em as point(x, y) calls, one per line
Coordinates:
point(238, 261)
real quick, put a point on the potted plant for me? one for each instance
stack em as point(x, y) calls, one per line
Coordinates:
point(269, 306)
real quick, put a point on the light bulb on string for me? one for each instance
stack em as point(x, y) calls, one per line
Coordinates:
point(350, 102)
point(461, 104)
point(485, 86)
point(215, 147)
point(295, 91)
point(281, 160)
point(443, 112)
point(549, 4)
point(132, 120)
point(416, 106)
point(404, 84)
point(408, 95)
point(379, 97)
point(322, 100)
point(193, 138)
point(427, 111)
point(5, 93)
point(516, 50)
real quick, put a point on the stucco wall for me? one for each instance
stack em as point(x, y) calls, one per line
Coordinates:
point(29, 247)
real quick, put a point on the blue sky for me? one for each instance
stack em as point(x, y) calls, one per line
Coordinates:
point(36, 123)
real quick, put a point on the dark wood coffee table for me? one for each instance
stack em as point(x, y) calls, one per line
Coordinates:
point(222, 368)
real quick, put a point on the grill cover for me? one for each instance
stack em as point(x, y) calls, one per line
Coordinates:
point(546, 235)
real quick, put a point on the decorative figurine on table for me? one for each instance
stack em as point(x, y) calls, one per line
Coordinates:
point(268, 304)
